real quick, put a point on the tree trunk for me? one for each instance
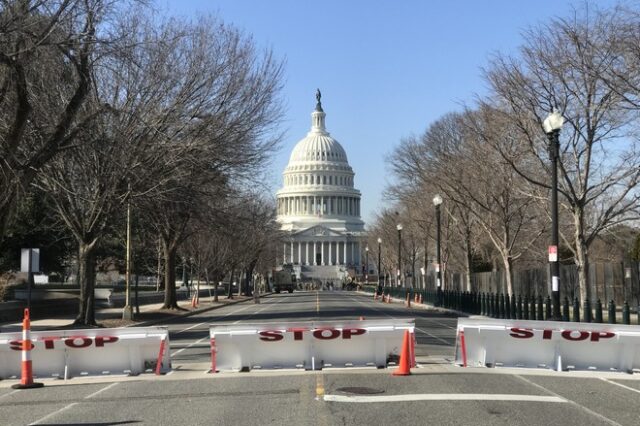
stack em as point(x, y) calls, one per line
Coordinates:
point(250, 268)
point(230, 289)
point(468, 259)
point(508, 273)
point(86, 280)
point(582, 264)
point(170, 297)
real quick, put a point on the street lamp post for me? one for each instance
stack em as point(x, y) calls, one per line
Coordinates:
point(552, 125)
point(127, 311)
point(437, 200)
point(398, 274)
point(379, 272)
point(366, 271)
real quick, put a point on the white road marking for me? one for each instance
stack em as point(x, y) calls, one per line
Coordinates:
point(582, 407)
point(620, 384)
point(189, 345)
point(101, 390)
point(53, 414)
point(443, 397)
point(433, 336)
point(189, 328)
point(10, 393)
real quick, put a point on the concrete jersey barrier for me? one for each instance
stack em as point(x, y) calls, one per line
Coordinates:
point(69, 353)
point(547, 344)
point(309, 345)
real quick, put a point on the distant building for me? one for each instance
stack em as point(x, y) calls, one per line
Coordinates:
point(319, 208)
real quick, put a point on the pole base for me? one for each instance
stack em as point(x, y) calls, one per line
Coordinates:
point(29, 386)
point(127, 312)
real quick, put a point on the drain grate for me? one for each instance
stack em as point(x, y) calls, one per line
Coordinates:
point(360, 390)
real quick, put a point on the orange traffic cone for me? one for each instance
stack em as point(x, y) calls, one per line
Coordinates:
point(26, 380)
point(404, 366)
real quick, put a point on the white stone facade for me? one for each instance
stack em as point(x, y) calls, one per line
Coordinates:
point(319, 207)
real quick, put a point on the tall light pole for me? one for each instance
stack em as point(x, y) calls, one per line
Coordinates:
point(437, 200)
point(366, 271)
point(398, 274)
point(379, 272)
point(127, 311)
point(552, 125)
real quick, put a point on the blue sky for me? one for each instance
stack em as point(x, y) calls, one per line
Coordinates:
point(386, 68)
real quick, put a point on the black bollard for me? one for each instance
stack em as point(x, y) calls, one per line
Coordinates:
point(540, 313)
point(626, 313)
point(532, 308)
point(565, 309)
point(493, 306)
point(612, 312)
point(587, 311)
point(490, 304)
point(547, 308)
point(502, 307)
point(519, 308)
point(525, 308)
point(513, 307)
point(598, 312)
point(482, 305)
point(576, 310)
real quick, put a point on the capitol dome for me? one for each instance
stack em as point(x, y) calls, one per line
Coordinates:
point(318, 205)
point(318, 145)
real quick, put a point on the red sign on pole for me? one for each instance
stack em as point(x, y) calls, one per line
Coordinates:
point(553, 253)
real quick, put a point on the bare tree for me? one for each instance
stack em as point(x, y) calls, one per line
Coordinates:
point(47, 53)
point(563, 65)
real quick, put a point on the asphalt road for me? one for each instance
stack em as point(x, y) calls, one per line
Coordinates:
point(436, 393)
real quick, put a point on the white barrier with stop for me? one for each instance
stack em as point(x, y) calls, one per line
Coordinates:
point(547, 344)
point(90, 352)
point(309, 345)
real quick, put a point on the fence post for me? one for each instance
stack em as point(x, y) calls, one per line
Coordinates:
point(525, 306)
point(626, 314)
point(612, 312)
point(565, 309)
point(576, 310)
point(547, 308)
point(540, 312)
point(599, 312)
point(587, 311)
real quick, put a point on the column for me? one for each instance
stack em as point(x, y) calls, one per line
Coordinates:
point(345, 252)
point(322, 261)
point(306, 251)
point(314, 253)
point(292, 252)
point(284, 254)
point(299, 252)
point(353, 257)
point(330, 258)
point(360, 253)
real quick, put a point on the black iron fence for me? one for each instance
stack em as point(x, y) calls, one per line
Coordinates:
point(527, 307)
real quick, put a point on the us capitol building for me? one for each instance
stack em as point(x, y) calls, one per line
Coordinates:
point(319, 209)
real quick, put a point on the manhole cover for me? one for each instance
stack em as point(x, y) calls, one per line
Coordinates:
point(360, 390)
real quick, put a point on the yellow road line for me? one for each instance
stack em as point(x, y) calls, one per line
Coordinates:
point(319, 386)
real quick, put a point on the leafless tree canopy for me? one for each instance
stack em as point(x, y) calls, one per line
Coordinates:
point(491, 162)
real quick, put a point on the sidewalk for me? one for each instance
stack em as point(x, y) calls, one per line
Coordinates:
point(149, 314)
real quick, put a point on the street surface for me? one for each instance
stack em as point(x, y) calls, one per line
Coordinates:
point(437, 393)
